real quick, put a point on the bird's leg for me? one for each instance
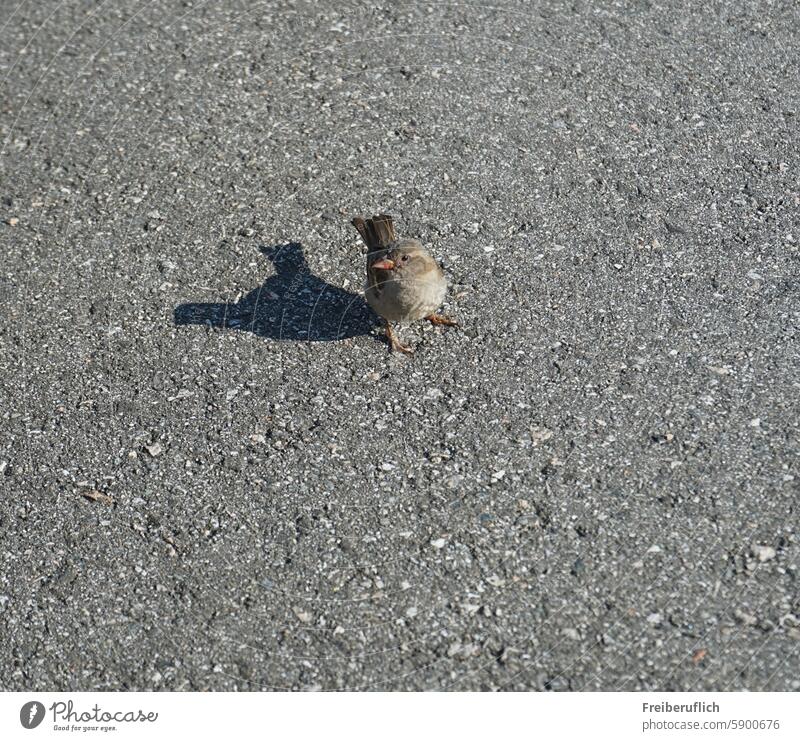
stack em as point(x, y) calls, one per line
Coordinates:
point(395, 343)
point(442, 320)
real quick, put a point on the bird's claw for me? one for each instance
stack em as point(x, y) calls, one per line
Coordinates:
point(397, 346)
point(442, 320)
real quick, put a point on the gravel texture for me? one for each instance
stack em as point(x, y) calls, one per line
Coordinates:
point(214, 476)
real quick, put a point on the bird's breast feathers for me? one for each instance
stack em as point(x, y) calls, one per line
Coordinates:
point(407, 300)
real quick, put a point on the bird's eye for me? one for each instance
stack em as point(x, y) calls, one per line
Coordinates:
point(404, 258)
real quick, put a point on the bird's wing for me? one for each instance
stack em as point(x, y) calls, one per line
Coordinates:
point(373, 283)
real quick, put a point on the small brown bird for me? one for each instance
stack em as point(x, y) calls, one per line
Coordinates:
point(404, 283)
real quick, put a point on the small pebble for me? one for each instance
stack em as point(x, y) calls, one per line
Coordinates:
point(763, 552)
point(578, 567)
point(745, 618)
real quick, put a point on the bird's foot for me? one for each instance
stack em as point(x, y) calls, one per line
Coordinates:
point(397, 346)
point(442, 320)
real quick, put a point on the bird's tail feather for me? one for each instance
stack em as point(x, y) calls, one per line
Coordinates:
point(377, 232)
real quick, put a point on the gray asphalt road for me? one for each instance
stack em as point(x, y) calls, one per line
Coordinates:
point(215, 476)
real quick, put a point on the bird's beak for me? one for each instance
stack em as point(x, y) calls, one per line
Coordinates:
point(384, 264)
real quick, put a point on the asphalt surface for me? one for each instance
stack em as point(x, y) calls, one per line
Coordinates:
point(215, 475)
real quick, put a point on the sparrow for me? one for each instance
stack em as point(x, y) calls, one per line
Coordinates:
point(404, 282)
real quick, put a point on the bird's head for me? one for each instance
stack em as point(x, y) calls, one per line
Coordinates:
point(408, 259)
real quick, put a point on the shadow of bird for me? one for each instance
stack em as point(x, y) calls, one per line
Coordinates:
point(292, 304)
